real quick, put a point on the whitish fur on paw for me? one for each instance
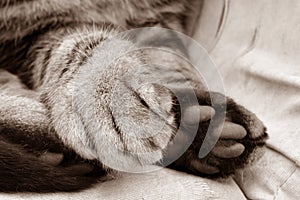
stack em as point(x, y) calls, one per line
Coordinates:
point(111, 113)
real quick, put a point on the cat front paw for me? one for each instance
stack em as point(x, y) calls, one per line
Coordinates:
point(232, 143)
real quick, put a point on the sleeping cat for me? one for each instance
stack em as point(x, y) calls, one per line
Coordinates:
point(72, 87)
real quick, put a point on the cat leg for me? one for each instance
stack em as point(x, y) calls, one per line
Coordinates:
point(30, 156)
point(21, 171)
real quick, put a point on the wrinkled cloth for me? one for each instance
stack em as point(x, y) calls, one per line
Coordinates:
point(164, 184)
point(256, 46)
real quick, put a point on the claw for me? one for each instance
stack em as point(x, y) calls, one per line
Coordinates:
point(191, 114)
point(233, 131)
point(204, 168)
point(53, 159)
point(232, 151)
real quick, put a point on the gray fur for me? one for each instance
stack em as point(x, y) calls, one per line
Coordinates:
point(91, 94)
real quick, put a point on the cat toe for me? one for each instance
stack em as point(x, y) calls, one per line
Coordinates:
point(232, 151)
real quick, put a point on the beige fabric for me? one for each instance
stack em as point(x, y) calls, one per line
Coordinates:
point(256, 46)
point(165, 184)
point(272, 177)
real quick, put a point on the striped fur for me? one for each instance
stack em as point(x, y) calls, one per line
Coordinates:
point(94, 90)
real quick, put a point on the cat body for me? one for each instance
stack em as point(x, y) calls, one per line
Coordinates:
point(70, 83)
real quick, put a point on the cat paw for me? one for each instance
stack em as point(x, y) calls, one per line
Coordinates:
point(238, 140)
